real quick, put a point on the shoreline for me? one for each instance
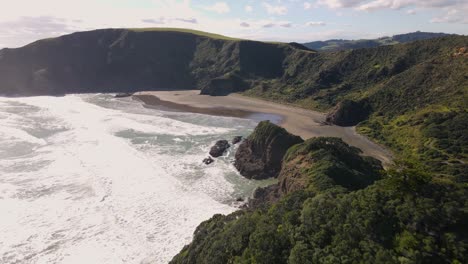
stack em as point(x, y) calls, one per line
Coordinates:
point(302, 122)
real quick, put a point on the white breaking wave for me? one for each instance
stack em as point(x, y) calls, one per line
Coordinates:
point(93, 179)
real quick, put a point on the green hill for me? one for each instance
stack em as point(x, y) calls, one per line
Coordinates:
point(411, 96)
point(342, 44)
point(341, 210)
point(126, 60)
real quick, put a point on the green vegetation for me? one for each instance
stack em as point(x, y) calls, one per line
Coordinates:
point(339, 216)
point(417, 96)
point(341, 44)
point(185, 30)
point(333, 206)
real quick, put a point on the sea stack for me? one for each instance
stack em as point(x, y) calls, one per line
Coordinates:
point(259, 156)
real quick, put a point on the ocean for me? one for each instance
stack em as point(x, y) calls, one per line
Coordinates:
point(97, 179)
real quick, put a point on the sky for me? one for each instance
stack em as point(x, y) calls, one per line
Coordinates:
point(24, 21)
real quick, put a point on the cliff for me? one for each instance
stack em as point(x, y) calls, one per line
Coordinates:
point(128, 60)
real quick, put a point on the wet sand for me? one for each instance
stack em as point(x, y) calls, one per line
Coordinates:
point(298, 121)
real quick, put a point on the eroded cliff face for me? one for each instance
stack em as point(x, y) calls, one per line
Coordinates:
point(123, 60)
point(259, 156)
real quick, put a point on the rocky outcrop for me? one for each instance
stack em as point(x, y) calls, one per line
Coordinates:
point(208, 160)
point(122, 95)
point(325, 162)
point(224, 85)
point(348, 113)
point(219, 148)
point(260, 155)
point(317, 165)
point(236, 140)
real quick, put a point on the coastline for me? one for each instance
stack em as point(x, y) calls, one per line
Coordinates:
point(298, 121)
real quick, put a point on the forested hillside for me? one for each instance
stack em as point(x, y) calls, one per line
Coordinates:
point(334, 206)
point(343, 44)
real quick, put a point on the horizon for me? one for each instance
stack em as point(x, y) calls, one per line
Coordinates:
point(279, 20)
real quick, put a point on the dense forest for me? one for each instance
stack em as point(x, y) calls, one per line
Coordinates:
point(346, 210)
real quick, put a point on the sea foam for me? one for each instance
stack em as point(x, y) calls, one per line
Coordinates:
point(93, 179)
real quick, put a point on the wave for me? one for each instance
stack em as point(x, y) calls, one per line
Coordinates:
point(108, 182)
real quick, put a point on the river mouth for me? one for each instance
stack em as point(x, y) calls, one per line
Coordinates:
point(95, 179)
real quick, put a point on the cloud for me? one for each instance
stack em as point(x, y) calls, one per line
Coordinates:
point(189, 20)
point(454, 11)
point(315, 23)
point(275, 10)
point(159, 21)
point(399, 4)
point(163, 20)
point(245, 24)
point(339, 3)
point(219, 7)
point(248, 8)
point(27, 29)
point(453, 16)
point(307, 5)
point(269, 25)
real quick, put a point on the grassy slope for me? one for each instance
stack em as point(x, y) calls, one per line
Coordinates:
point(185, 30)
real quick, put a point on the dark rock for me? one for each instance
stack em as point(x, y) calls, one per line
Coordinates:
point(121, 95)
point(264, 196)
point(239, 199)
point(224, 85)
point(208, 160)
point(236, 140)
point(260, 155)
point(348, 113)
point(219, 148)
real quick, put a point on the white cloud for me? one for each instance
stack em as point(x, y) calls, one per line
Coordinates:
point(315, 23)
point(411, 12)
point(339, 3)
point(275, 10)
point(245, 24)
point(159, 21)
point(248, 8)
point(398, 4)
point(219, 7)
point(453, 16)
point(307, 5)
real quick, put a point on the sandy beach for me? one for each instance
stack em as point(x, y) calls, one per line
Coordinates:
point(302, 122)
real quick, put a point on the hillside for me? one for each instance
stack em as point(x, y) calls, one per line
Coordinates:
point(332, 205)
point(126, 60)
point(412, 97)
point(342, 44)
